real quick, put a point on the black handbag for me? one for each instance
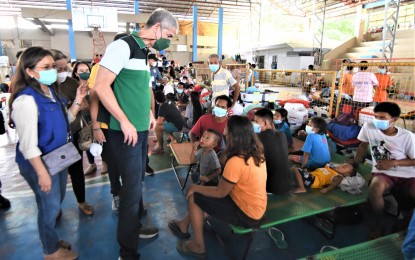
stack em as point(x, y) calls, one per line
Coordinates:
point(64, 156)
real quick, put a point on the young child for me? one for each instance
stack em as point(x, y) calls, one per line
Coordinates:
point(282, 125)
point(326, 178)
point(316, 149)
point(208, 163)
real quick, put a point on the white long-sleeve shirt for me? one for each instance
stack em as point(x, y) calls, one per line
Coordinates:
point(25, 117)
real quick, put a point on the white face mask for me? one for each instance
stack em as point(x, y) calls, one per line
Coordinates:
point(355, 70)
point(63, 75)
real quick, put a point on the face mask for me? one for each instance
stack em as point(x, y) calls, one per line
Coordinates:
point(62, 76)
point(355, 70)
point(47, 77)
point(158, 84)
point(161, 43)
point(382, 71)
point(257, 128)
point(95, 149)
point(381, 124)
point(84, 76)
point(179, 90)
point(277, 121)
point(219, 112)
point(309, 129)
point(154, 64)
point(214, 67)
point(184, 81)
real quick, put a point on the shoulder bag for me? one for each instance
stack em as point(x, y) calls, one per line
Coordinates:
point(64, 156)
point(85, 135)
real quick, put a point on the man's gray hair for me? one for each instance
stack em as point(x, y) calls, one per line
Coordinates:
point(214, 55)
point(164, 17)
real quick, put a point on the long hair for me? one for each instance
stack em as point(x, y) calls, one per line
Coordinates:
point(197, 107)
point(28, 60)
point(75, 68)
point(243, 142)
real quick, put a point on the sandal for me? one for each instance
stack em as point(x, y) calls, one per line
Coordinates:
point(277, 237)
point(183, 249)
point(86, 208)
point(157, 151)
point(176, 230)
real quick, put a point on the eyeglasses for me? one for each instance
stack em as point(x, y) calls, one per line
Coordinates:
point(47, 67)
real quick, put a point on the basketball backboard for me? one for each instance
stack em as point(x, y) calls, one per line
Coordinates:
point(85, 18)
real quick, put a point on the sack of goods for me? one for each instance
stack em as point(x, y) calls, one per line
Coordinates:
point(297, 115)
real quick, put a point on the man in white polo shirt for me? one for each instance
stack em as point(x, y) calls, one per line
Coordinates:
point(221, 80)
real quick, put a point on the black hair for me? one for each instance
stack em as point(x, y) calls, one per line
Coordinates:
point(180, 83)
point(350, 68)
point(388, 107)
point(73, 63)
point(364, 67)
point(185, 77)
point(265, 114)
point(171, 97)
point(321, 124)
point(310, 67)
point(120, 35)
point(58, 55)
point(28, 60)
point(181, 68)
point(242, 141)
point(284, 114)
point(159, 97)
point(152, 56)
point(190, 64)
point(253, 66)
point(345, 60)
point(197, 107)
point(18, 54)
point(226, 98)
point(216, 133)
point(74, 71)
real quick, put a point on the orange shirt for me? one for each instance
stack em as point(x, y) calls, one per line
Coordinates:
point(347, 84)
point(250, 181)
point(380, 92)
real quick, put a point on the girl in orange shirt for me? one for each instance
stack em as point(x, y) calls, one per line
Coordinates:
point(384, 82)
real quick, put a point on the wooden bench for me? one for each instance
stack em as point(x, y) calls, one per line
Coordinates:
point(181, 155)
point(387, 247)
point(285, 208)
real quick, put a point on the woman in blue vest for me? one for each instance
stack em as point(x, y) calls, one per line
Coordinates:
point(38, 114)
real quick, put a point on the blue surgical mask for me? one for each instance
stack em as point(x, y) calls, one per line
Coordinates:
point(382, 71)
point(219, 112)
point(381, 124)
point(179, 90)
point(214, 67)
point(257, 128)
point(277, 121)
point(309, 129)
point(47, 77)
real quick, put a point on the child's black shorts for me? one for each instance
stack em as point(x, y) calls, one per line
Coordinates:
point(308, 178)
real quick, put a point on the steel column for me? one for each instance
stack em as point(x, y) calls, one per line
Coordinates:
point(220, 32)
point(388, 32)
point(194, 48)
point(318, 32)
point(136, 12)
point(71, 34)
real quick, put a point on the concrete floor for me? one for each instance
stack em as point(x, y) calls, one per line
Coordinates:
point(94, 237)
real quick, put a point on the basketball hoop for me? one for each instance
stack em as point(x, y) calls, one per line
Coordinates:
point(96, 27)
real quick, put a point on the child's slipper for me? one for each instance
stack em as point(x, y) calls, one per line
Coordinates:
point(176, 230)
point(183, 249)
point(278, 237)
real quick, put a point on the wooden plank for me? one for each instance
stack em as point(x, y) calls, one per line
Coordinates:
point(182, 152)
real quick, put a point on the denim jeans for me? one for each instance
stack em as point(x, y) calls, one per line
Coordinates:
point(130, 163)
point(48, 205)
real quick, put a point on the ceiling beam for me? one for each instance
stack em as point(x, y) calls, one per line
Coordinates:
point(43, 27)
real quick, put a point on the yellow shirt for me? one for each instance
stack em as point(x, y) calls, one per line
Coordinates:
point(323, 177)
point(249, 192)
point(91, 83)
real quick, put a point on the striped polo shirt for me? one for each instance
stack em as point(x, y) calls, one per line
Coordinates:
point(127, 58)
point(222, 80)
